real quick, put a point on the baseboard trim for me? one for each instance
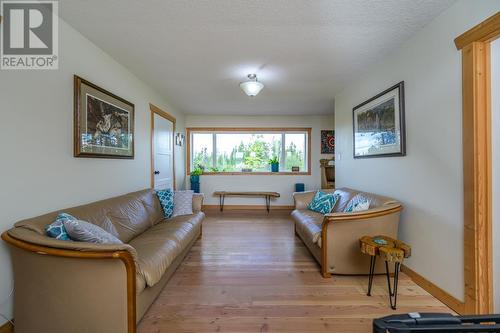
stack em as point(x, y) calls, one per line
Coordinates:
point(7, 328)
point(248, 207)
point(450, 301)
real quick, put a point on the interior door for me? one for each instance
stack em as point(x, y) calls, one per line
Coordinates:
point(163, 153)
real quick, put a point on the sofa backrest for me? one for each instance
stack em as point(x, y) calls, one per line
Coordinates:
point(346, 194)
point(125, 216)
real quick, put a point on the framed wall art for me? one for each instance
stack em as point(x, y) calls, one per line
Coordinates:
point(379, 125)
point(179, 139)
point(103, 123)
point(327, 142)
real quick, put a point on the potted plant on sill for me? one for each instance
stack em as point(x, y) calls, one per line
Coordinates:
point(195, 175)
point(275, 164)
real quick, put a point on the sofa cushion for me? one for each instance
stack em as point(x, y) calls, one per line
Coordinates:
point(140, 283)
point(194, 219)
point(357, 204)
point(56, 229)
point(87, 232)
point(309, 224)
point(166, 198)
point(323, 202)
point(345, 195)
point(158, 247)
point(183, 203)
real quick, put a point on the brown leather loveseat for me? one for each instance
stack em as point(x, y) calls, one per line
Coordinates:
point(333, 239)
point(66, 286)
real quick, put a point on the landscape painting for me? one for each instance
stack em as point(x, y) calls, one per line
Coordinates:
point(107, 124)
point(379, 128)
point(103, 123)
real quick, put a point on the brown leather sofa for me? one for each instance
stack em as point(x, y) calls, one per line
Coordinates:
point(333, 239)
point(78, 287)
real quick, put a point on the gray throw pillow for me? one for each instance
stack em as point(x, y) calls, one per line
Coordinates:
point(87, 232)
point(183, 203)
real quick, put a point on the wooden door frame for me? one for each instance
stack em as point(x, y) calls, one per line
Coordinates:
point(476, 136)
point(156, 110)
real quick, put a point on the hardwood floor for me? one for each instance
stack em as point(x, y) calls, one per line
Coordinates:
point(249, 273)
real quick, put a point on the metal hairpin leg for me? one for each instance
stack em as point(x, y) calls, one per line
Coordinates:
point(393, 292)
point(221, 202)
point(373, 260)
point(268, 202)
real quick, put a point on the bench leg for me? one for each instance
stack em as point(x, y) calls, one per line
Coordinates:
point(268, 203)
point(221, 202)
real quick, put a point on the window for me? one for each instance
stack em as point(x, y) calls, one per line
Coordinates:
point(248, 150)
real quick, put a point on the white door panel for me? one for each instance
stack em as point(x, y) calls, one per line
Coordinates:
point(163, 153)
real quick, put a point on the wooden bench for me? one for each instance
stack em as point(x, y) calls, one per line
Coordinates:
point(268, 195)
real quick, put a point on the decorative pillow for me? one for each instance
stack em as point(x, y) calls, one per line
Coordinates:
point(166, 198)
point(183, 203)
point(323, 202)
point(357, 204)
point(56, 229)
point(87, 232)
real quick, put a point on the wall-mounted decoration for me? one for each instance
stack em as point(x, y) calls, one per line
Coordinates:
point(327, 142)
point(379, 125)
point(103, 123)
point(179, 139)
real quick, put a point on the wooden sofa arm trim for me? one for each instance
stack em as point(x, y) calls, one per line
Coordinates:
point(362, 215)
point(122, 255)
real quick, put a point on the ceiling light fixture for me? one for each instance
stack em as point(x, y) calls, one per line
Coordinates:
point(252, 87)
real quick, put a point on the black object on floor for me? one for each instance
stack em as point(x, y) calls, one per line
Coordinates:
point(436, 322)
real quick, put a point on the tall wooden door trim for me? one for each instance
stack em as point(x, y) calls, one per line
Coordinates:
point(476, 137)
point(156, 110)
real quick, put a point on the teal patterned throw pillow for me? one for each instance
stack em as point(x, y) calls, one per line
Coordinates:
point(323, 202)
point(357, 204)
point(166, 198)
point(56, 229)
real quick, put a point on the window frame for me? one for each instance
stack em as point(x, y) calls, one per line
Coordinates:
point(217, 130)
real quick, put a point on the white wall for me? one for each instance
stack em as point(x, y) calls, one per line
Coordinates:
point(429, 179)
point(495, 125)
point(38, 172)
point(283, 184)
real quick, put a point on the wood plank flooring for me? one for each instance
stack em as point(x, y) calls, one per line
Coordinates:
point(249, 273)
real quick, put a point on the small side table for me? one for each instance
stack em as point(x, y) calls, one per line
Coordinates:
point(391, 251)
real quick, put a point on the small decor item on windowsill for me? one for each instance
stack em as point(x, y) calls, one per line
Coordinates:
point(195, 175)
point(246, 170)
point(295, 169)
point(275, 164)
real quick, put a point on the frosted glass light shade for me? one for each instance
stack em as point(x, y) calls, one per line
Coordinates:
point(251, 88)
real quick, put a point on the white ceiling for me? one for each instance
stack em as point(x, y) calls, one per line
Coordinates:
point(196, 52)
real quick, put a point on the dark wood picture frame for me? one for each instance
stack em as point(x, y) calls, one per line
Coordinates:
point(402, 123)
point(78, 82)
